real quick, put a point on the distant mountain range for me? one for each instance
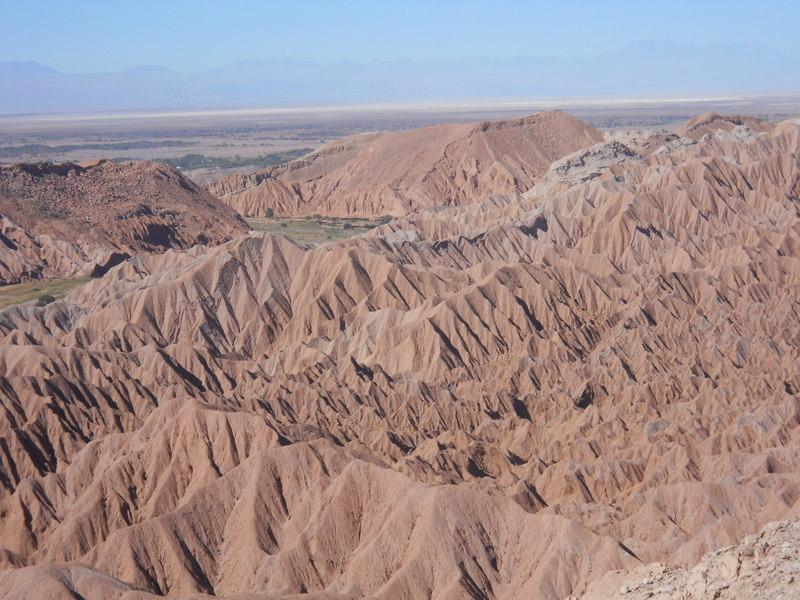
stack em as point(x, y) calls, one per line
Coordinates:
point(643, 69)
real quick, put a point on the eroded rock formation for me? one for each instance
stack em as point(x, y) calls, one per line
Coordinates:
point(508, 399)
point(400, 172)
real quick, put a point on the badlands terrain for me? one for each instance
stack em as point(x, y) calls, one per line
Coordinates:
point(396, 173)
point(567, 369)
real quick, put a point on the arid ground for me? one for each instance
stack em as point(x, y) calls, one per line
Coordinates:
point(240, 141)
point(531, 357)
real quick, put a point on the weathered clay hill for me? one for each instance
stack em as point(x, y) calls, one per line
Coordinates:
point(400, 172)
point(512, 399)
point(59, 220)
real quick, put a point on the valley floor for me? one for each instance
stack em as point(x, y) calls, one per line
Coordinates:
point(41, 291)
point(314, 230)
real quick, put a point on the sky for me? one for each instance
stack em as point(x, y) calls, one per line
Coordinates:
point(83, 36)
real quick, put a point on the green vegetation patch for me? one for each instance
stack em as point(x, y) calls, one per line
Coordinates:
point(10, 152)
point(191, 162)
point(41, 292)
point(316, 229)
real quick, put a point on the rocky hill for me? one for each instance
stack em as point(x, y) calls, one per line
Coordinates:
point(400, 172)
point(62, 219)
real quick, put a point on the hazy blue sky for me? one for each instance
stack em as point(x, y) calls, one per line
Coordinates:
point(107, 35)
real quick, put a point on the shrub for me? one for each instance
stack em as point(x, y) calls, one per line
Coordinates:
point(45, 299)
point(270, 213)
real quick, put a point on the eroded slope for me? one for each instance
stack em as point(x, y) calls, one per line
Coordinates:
point(502, 400)
point(400, 172)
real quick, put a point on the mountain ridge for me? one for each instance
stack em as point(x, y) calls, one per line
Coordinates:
point(395, 173)
point(657, 68)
